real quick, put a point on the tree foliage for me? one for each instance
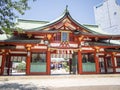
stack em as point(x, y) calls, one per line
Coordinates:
point(8, 9)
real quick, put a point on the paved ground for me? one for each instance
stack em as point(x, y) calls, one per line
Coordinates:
point(59, 71)
point(61, 82)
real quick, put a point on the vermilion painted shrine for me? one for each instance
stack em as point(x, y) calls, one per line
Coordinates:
point(93, 51)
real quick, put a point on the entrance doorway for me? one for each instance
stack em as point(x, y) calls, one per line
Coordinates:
point(18, 65)
point(63, 64)
point(59, 66)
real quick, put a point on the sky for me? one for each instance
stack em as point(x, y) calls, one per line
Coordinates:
point(48, 10)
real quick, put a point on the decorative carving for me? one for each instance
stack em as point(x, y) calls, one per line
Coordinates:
point(81, 37)
point(114, 53)
point(28, 45)
point(3, 50)
point(49, 36)
point(29, 35)
point(97, 49)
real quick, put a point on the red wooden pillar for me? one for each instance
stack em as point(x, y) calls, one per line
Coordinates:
point(3, 61)
point(113, 63)
point(97, 62)
point(48, 61)
point(79, 62)
point(28, 59)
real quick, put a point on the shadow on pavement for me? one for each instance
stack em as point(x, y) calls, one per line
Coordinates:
point(16, 86)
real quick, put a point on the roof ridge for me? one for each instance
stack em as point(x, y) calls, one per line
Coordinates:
point(25, 20)
point(90, 25)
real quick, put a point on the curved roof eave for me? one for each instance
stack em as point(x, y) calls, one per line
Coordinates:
point(50, 23)
point(89, 30)
point(65, 14)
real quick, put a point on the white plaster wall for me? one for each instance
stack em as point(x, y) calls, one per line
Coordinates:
point(106, 18)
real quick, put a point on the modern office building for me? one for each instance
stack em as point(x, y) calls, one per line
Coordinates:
point(107, 16)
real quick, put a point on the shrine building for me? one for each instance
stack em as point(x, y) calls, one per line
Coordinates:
point(36, 42)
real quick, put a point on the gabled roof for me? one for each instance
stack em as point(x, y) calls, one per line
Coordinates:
point(41, 25)
point(32, 26)
point(95, 28)
point(29, 24)
point(65, 14)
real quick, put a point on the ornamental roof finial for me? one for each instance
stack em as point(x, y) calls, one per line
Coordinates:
point(66, 8)
point(66, 11)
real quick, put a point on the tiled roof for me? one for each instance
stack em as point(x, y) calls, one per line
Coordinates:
point(35, 26)
point(24, 41)
point(44, 31)
point(32, 21)
point(7, 47)
point(30, 26)
point(102, 44)
point(18, 39)
point(95, 28)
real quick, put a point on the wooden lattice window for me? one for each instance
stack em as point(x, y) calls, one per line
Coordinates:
point(57, 37)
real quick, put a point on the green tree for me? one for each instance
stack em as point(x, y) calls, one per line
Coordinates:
point(7, 12)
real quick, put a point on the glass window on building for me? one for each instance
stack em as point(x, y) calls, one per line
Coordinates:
point(64, 36)
point(88, 62)
point(38, 62)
